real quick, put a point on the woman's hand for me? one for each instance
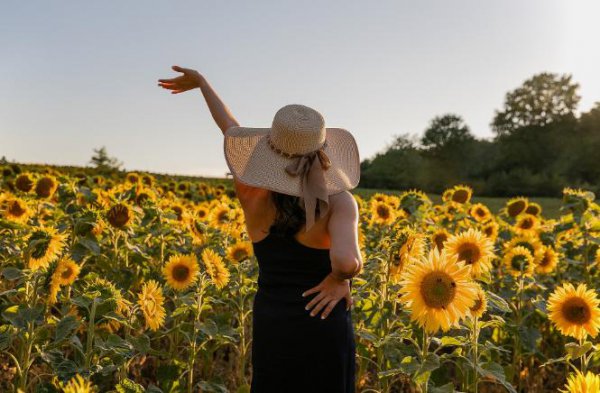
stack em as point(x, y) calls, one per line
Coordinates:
point(331, 290)
point(190, 79)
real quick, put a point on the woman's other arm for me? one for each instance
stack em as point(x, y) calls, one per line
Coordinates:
point(346, 259)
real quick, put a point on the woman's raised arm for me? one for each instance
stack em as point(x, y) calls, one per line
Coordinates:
point(222, 115)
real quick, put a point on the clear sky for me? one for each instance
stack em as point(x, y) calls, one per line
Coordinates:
point(77, 75)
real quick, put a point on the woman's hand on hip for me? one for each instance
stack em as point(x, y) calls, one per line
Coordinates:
point(190, 79)
point(329, 292)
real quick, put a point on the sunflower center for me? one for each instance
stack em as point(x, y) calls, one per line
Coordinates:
point(460, 196)
point(239, 254)
point(44, 187)
point(66, 274)
point(576, 310)
point(118, 216)
point(15, 209)
point(438, 289)
point(181, 273)
point(545, 260)
point(478, 305)
point(383, 211)
point(222, 216)
point(469, 253)
point(480, 212)
point(439, 240)
point(526, 223)
point(516, 208)
point(519, 262)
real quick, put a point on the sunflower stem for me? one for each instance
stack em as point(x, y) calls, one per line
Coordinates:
point(424, 352)
point(475, 337)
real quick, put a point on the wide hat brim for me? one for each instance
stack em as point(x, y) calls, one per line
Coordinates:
point(251, 160)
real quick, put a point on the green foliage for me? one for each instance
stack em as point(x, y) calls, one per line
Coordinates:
point(540, 147)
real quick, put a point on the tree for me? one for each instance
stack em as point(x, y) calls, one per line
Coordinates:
point(444, 131)
point(102, 161)
point(540, 100)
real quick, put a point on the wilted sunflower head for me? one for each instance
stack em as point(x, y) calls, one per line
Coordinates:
point(46, 186)
point(582, 383)
point(24, 182)
point(438, 291)
point(119, 215)
point(519, 261)
point(574, 311)
point(181, 271)
point(516, 206)
point(461, 194)
point(472, 248)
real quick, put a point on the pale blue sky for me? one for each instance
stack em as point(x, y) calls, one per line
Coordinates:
point(78, 75)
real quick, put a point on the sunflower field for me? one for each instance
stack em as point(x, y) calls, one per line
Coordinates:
point(135, 283)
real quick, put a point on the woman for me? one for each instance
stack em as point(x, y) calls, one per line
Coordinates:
point(292, 181)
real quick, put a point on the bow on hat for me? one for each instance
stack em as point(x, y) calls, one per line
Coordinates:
point(310, 167)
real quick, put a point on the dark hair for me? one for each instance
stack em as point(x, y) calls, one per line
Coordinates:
point(290, 214)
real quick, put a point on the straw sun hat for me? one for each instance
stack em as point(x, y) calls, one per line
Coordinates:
point(296, 156)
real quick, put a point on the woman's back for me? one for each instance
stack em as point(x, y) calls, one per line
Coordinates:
point(291, 350)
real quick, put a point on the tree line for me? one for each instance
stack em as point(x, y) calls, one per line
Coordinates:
point(539, 146)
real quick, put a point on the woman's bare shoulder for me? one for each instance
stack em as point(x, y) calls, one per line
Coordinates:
point(344, 202)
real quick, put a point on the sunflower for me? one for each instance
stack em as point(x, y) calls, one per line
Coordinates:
point(474, 249)
point(198, 231)
point(379, 197)
point(447, 195)
point(439, 237)
point(44, 245)
point(516, 206)
point(24, 182)
point(531, 243)
point(16, 209)
point(461, 194)
point(438, 290)
point(215, 267)
point(409, 245)
point(491, 229)
point(119, 215)
point(526, 224)
point(381, 212)
point(77, 385)
point(534, 209)
point(239, 251)
point(151, 303)
point(480, 306)
point(181, 271)
point(519, 261)
point(580, 383)
point(65, 274)
point(548, 260)
point(132, 178)
point(46, 186)
point(575, 311)
point(144, 194)
point(480, 212)
point(219, 216)
point(66, 271)
point(202, 212)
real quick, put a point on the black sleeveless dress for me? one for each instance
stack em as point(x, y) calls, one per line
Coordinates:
point(292, 351)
